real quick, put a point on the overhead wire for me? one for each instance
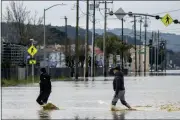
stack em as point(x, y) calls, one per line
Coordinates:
point(167, 11)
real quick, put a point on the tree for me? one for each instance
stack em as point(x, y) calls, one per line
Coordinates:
point(20, 24)
point(114, 46)
point(124, 47)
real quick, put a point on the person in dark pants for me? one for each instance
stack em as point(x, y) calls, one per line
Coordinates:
point(118, 86)
point(45, 87)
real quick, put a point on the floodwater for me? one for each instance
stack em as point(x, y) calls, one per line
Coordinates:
point(91, 99)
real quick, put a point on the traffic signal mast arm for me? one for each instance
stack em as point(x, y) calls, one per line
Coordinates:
point(141, 14)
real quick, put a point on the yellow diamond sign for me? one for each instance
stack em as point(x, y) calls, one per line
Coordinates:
point(167, 20)
point(32, 50)
point(32, 61)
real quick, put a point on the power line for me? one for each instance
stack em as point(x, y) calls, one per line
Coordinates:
point(101, 13)
point(167, 11)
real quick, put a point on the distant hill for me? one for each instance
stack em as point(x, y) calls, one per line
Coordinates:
point(56, 34)
point(173, 40)
point(82, 32)
point(72, 33)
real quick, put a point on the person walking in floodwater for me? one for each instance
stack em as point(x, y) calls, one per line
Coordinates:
point(118, 86)
point(45, 87)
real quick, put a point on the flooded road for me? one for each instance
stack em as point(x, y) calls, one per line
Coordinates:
point(92, 99)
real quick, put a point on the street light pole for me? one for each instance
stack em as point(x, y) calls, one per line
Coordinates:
point(45, 26)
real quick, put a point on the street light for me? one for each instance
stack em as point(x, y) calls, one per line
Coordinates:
point(44, 25)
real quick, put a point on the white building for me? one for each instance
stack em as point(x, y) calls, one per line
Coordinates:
point(139, 58)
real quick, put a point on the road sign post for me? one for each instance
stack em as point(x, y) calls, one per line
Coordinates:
point(120, 17)
point(33, 73)
point(32, 51)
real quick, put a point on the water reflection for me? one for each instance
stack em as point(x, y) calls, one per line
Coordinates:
point(44, 114)
point(118, 115)
point(86, 84)
point(76, 85)
point(93, 84)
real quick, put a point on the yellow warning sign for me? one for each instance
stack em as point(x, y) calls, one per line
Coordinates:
point(167, 20)
point(32, 61)
point(32, 50)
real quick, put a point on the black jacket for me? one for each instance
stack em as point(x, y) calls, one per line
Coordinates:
point(118, 83)
point(45, 83)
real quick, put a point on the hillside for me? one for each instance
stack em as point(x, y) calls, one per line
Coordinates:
point(56, 34)
point(173, 40)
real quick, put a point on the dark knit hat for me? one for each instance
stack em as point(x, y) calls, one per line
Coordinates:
point(117, 68)
point(43, 70)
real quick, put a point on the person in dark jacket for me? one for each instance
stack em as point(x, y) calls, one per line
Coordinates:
point(118, 86)
point(45, 87)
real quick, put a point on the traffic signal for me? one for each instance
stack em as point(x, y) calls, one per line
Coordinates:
point(150, 42)
point(130, 14)
point(157, 17)
point(176, 21)
point(111, 13)
point(162, 45)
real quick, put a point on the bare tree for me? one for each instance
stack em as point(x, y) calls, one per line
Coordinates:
point(20, 23)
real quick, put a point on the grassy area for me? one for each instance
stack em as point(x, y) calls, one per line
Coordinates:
point(14, 82)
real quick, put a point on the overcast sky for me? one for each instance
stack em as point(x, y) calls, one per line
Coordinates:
point(54, 15)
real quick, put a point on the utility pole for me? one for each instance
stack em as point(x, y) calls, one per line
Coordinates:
point(158, 52)
point(86, 41)
point(44, 36)
point(122, 57)
point(162, 58)
point(77, 41)
point(104, 39)
point(135, 45)
point(66, 40)
point(155, 52)
point(165, 54)
point(152, 53)
point(140, 47)
point(93, 39)
point(146, 25)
